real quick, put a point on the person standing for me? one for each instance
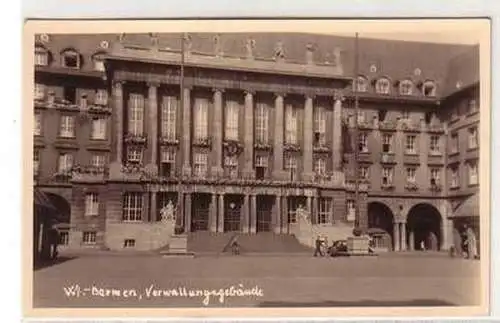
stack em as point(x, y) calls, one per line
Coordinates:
point(317, 249)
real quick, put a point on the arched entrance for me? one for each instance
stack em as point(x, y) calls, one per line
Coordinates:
point(380, 225)
point(62, 205)
point(424, 228)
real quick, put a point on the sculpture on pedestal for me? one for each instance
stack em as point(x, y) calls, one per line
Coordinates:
point(250, 46)
point(279, 51)
point(168, 212)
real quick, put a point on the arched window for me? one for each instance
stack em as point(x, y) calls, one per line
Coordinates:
point(41, 56)
point(383, 86)
point(406, 87)
point(70, 58)
point(98, 61)
point(429, 88)
point(362, 84)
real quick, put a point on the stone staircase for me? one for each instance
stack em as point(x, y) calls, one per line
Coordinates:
point(259, 243)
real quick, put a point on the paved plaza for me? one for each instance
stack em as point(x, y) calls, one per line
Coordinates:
point(258, 281)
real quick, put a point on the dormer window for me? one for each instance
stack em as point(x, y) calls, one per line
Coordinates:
point(41, 56)
point(98, 60)
point(429, 89)
point(406, 87)
point(70, 59)
point(383, 86)
point(361, 84)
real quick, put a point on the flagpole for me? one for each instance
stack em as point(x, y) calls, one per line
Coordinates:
point(356, 131)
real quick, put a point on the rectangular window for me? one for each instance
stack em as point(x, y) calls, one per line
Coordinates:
point(455, 180)
point(200, 164)
point(168, 117)
point(39, 91)
point(361, 117)
point(351, 210)
point(231, 166)
point(98, 131)
point(387, 173)
point(167, 166)
point(129, 243)
point(65, 162)
point(98, 160)
point(387, 143)
point(435, 176)
point(291, 165)
point(405, 115)
point(132, 207)
point(134, 154)
point(411, 174)
point(136, 114)
point(63, 238)
point(37, 131)
point(473, 173)
point(67, 127)
point(435, 148)
point(101, 97)
point(91, 204)
point(324, 210)
point(36, 162)
point(363, 142)
point(473, 138)
point(291, 125)
point(410, 147)
point(261, 124)
point(320, 166)
point(454, 143)
point(41, 58)
point(319, 126)
point(363, 172)
point(261, 164)
point(70, 94)
point(200, 119)
point(89, 237)
point(231, 131)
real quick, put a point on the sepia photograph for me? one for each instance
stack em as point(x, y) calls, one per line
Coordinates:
point(259, 167)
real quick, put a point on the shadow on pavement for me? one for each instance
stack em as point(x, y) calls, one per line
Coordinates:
point(361, 303)
point(48, 263)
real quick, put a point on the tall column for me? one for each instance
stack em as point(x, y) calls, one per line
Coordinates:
point(411, 240)
point(220, 215)
point(277, 223)
point(310, 210)
point(153, 125)
point(180, 205)
point(253, 213)
point(315, 213)
point(217, 133)
point(186, 131)
point(397, 237)
point(212, 214)
point(308, 139)
point(337, 135)
point(187, 215)
point(249, 124)
point(154, 207)
point(118, 98)
point(284, 213)
point(403, 236)
point(245, 217)
point(278, 136)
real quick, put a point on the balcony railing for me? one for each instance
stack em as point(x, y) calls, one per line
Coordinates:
point(88, 173)
point(63, 176)
point(131, 138)
point(411, 186)
point(410, 127)
point(436, 187)
point(261, 145)
point(387, 126)
point(387, 186)
point(321, 148)
point(99, 109)
point(387, 158)
point(168, 141)
point(287, 146)
point(438, 129)
point(202, 142)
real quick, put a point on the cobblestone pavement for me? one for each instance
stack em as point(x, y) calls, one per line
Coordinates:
point(152, 281)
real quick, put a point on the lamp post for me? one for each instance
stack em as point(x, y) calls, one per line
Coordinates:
point(356, 132)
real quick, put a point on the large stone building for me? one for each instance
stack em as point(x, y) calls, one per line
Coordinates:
point(264, 124)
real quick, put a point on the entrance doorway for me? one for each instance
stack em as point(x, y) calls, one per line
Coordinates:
point(424, 227)
point(200, 211)
point(380, 225)
point(264, 213)
point(232, 212)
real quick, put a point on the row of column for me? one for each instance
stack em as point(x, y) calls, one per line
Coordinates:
point(218, 126)
point(400, 238)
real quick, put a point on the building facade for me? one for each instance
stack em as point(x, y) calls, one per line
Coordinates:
point(257, 129)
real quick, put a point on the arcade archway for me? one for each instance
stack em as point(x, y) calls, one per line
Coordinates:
point(380, 225)
point(424, 228)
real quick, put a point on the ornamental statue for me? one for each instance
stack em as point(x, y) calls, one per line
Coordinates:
point(337, 57)
point(309, 53)
point(217, 46)
point(188, 43)
point(168, 212)
point(279, 51)
point(250, 46)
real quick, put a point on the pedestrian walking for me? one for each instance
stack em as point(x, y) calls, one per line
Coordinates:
point(317, 249)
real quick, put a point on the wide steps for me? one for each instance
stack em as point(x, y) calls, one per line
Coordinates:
point(265, 242)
